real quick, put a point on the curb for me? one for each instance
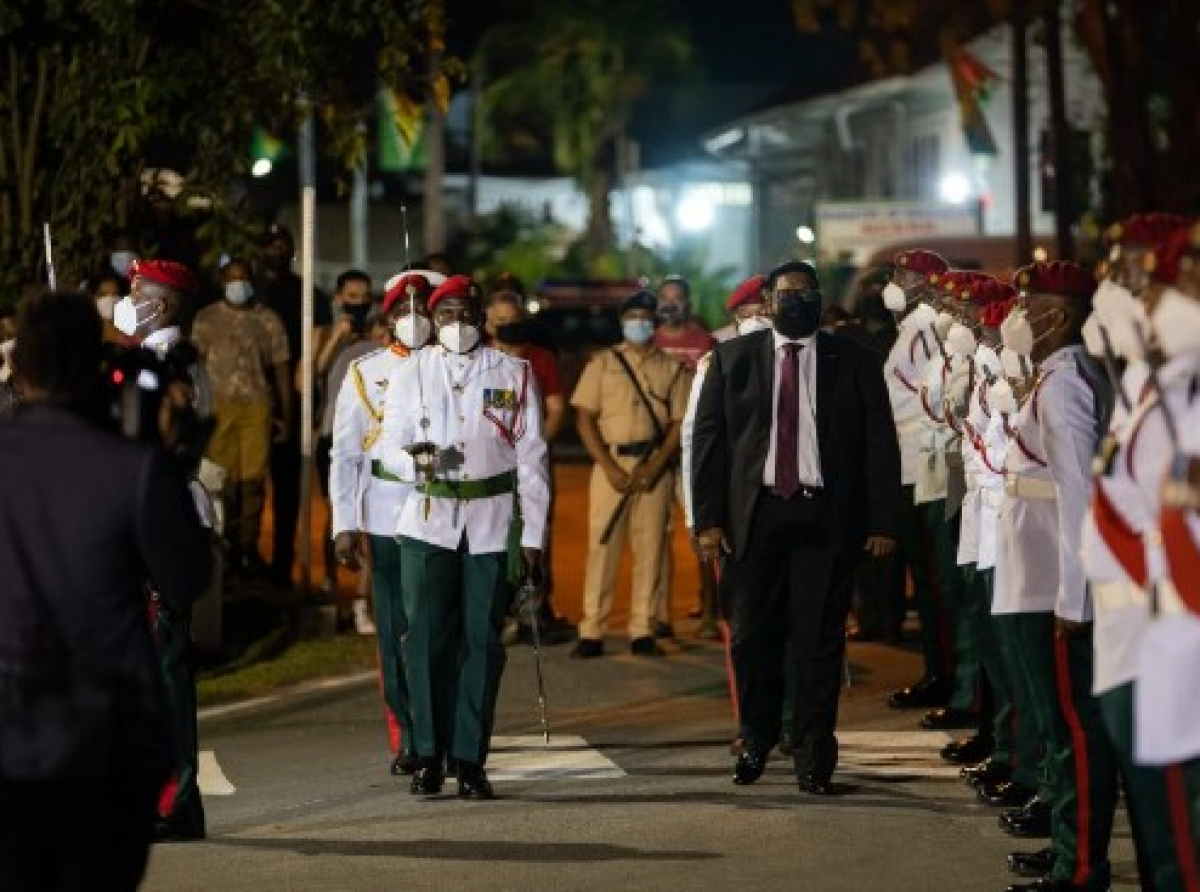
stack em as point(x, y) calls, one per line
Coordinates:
point(292, 692)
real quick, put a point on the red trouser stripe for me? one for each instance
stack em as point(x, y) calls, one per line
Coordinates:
point(1181, 827)
point(1083, 840)
point(393, 726)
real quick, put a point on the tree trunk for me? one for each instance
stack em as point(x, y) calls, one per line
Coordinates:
point(598, 237)
point(1020, 112)
point(1060, 135)
point(1182, 50)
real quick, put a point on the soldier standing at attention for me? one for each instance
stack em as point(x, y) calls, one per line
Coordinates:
point(630, 401)
point(464, 421)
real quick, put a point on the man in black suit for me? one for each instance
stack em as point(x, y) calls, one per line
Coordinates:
point(795, 473)
point(85, 518)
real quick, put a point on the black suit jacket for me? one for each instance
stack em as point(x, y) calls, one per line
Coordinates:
point(856, 436)
point(85, 519)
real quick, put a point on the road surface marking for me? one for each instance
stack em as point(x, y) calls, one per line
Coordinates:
point(212, 780)
point(894, 754)
point(528, 758)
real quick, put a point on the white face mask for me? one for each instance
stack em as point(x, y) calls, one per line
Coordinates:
point(986, 360)
point(126, 317)
point(412, 331)
point(238, 292)
point(1016, 332)
point(894, 297)
point(104, 306)
point(922, 316)
point(751, 324)
point(121, 261)
point(1176, 323)
point(960, 340)
point(1093, 335)
point(1123, 317)
point(1013, 364)
point(6, 351)
point(458, 337)
point(942, 324)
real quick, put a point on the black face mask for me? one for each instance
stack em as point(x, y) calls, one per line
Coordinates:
point(672, 314)
point(514, 333)
point(357, 313)
point(797, 312)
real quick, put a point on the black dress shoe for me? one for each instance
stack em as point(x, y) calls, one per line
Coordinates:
point(1005, 794)
point(925, 693)
point(749, 767)
point(473, 782)
point(646, 647)
point(988, 771)
point(816, 786)
point(664, 630)
point(949, 718)
point(1032, 864)
point(587, 648)
point(1030, 822)
point(968, 750)
point(1047, 884)
point(429, 778)
point(405, 763)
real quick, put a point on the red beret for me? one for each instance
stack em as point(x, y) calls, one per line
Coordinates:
point(996, 312)
point(923, 262)
point(455, 286)
point(1057, 277)
point(165, 272)
point(954, 282)
point(1163, 264)
point(399, 288)
point(1144, 229)
point(749, 292)
point(988, 291)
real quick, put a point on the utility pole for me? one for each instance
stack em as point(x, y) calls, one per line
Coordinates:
point(1060, 134)
point(308, 212)
point(1020, 114)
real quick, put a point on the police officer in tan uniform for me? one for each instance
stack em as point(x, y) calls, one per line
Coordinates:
point(630, 402)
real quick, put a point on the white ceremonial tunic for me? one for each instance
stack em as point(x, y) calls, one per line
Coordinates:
point(935, 434)
point(904, 371)
point(360, 499)
point(974, 421)
point(992, 451)
point(685, 436)
point(1166, 702)
point(484, 405)
point(1047, 489)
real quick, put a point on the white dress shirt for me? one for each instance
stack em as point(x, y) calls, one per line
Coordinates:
point(808, 453)
point(462, 401)
point(359, 500)
point(686, 429)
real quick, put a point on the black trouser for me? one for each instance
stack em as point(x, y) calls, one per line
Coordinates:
point(790, 580)
point(173, 635)
point(75, 835)
point(324, 461)
point(285, 504)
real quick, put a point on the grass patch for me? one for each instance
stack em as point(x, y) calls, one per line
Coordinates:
point(302, 661)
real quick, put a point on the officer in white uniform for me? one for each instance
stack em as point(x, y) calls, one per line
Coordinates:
point(464, 422)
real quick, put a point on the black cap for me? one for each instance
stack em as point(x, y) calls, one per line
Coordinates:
point(793, 266)
point(642, 300)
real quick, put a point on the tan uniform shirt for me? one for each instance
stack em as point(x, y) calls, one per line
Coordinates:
point(606, 389)
point(237, 347)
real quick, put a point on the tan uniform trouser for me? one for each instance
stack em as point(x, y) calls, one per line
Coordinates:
point(645, 521)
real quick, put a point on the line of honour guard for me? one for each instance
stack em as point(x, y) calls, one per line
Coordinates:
point(1050, 441)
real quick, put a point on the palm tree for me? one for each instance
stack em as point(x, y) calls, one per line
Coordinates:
point(568, 78)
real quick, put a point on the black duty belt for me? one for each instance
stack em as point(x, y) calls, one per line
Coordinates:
point(636, 450)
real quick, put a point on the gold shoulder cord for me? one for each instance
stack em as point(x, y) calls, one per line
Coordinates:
point(373, 435)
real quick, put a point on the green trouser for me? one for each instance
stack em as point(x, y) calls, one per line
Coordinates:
point(1080, 770)
point(979, 585)
point(972, 607)
point(392, 625)
point(914, 550)
point(961, 653)
point(1027, 752)
point(172, 632)
point(1147, 796)
point(455, 602)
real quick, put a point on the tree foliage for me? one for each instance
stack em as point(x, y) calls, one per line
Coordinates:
point(568, 76)
point(97, 92)
point(1145, 57)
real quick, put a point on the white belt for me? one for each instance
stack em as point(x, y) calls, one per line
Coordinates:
point(1021, 486)
point(1109, 597)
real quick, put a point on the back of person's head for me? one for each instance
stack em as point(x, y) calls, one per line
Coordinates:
point(59, 347)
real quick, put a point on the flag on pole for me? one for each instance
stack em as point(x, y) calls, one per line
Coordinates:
point(401, 133)
point(973, 83)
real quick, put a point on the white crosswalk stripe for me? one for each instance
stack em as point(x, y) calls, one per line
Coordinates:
point(212, 779)
point(894, 754)
point(528, 758)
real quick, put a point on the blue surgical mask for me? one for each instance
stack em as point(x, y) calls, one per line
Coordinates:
point(238, 291)
point(121, 261)
point(637, 331)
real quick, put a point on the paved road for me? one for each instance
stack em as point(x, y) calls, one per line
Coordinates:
point(633, 793)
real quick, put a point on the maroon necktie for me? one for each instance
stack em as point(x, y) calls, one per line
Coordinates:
point(787, 424)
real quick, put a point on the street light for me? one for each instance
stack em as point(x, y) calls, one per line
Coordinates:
point(695, 212)
point(806, 235)
point(262, 167)
point(954, 188)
